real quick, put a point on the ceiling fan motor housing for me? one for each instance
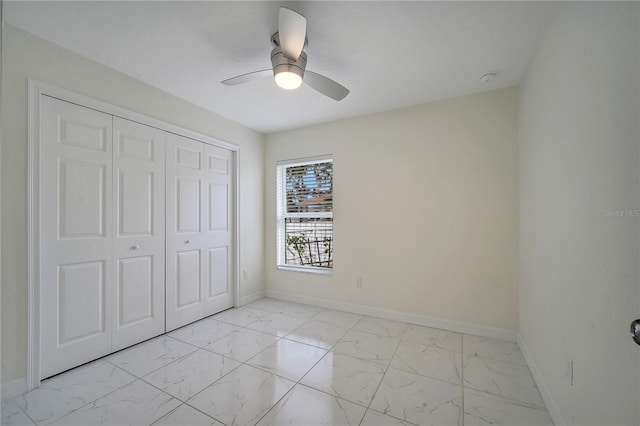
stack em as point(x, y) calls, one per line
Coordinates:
point(280, 63)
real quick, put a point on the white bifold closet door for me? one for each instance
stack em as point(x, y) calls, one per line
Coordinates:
point(199, 260)
point(101, 186)
point(138, 200)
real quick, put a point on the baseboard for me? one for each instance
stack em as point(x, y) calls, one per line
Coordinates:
point(547, 397)
point(251, 298)
point(460, 327)
point(13, 388)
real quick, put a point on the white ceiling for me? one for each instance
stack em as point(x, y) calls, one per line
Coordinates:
point(389, 54)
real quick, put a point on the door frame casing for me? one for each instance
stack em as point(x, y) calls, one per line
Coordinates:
point(36, 90)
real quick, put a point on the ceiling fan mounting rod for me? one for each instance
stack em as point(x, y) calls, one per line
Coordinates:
point(275, 40)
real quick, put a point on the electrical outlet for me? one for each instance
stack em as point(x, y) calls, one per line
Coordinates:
point(245, 274)
point(359, 282)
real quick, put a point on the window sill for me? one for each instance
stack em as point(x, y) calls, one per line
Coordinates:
point(306, 269)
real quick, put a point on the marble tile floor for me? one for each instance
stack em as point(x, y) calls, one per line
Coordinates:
point(279, 363)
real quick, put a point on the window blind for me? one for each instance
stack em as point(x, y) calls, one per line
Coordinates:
point(309, 187)
point(305, 214)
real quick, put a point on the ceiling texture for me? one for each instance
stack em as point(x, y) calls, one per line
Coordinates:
point(390, 54)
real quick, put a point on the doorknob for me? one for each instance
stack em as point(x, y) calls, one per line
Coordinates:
point(635, 331)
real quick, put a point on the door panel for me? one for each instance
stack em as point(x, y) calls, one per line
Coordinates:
point(188, 205)
point(198, 230)
point(189, 154)
point(83, 131)
point(138, 202)
point(79, 321)
point(82, 199)
point(218, 272)
point(188, 278)
point(130, 146)
point(75, 235)
point(218, 177)
point(136, 281)
point(185, 208)
point(219, 164)
point(218, 200)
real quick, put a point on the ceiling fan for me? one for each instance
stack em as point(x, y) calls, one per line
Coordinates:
point(289, 61)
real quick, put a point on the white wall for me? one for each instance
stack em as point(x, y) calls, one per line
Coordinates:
point(578, 158)
point(26, 56)
point(426, 209)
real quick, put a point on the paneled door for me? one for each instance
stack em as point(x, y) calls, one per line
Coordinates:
point(102, 234)
point(218, 231)
point(198, 235)
point(76, 263)
point(138, 200)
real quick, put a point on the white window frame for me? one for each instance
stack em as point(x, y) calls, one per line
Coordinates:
point(281, 214)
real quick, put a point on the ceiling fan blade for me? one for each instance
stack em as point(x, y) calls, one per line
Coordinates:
point(325, 85)
point(250, 76)
point(292, 28)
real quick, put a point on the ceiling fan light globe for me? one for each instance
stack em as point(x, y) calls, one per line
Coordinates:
point(288, 80)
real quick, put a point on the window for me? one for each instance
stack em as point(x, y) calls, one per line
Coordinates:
point(305, 214)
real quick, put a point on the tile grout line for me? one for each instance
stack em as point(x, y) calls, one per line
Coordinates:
point(103, 359)
point(461, 352)
point(278, 338)
point(364, 414)
point(135, 378)
point(386, 370)
point(23, 411)
point(367, 408)
point(178, 407)
point(200, 411)
point(329, 350)
point(223, 376)
point(191, 353)
point(314, 365)
point(506, 398)
point(162, 366)
point(178, 398)
point(305, 320)
point(245, 363)
point(438, 379)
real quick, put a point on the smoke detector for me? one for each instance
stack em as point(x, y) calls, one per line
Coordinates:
point(488, 77)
